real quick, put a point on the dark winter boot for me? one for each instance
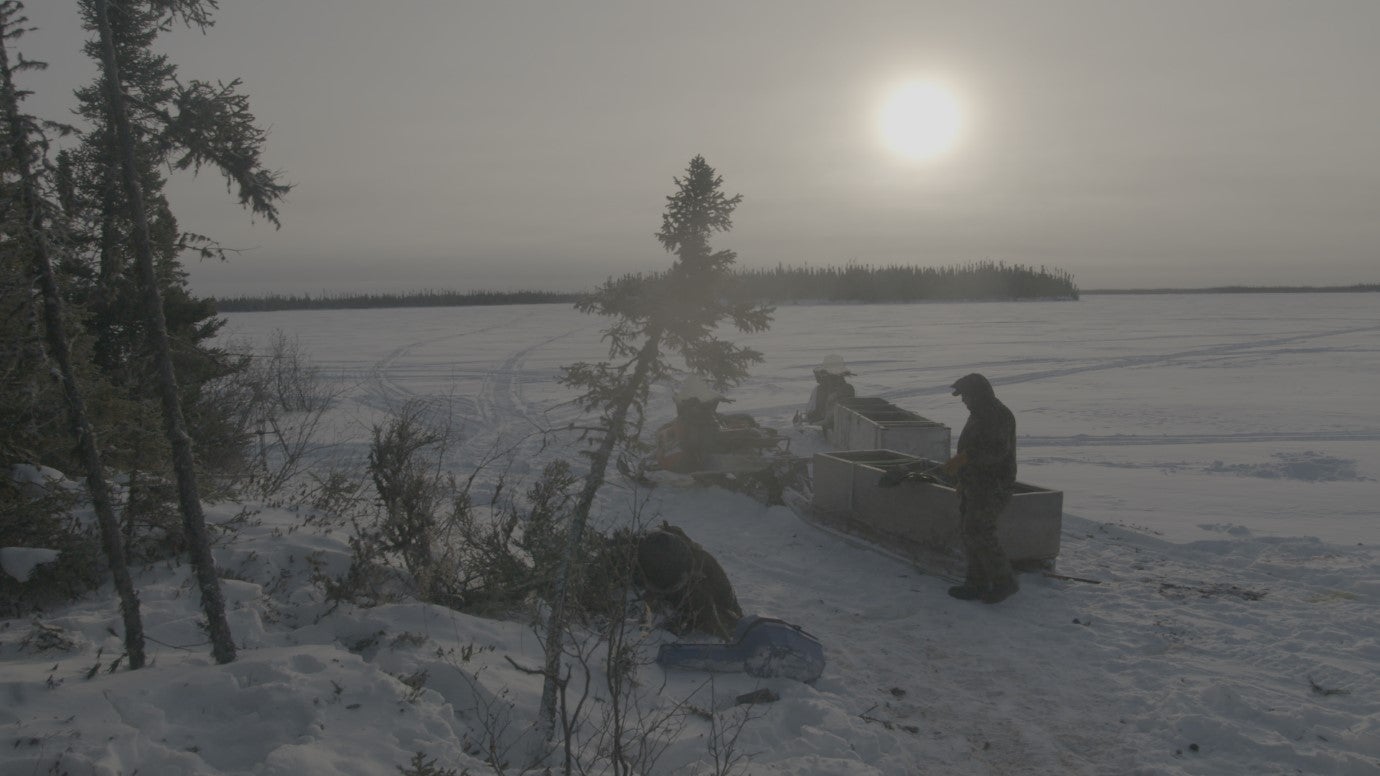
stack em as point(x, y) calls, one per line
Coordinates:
point(1001, 591)
point(968, 591)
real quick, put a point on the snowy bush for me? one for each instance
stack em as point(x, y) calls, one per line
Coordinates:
point(421, 534)
point(37, 514)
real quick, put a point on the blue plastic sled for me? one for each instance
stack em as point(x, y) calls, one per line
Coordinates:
point(761, 646)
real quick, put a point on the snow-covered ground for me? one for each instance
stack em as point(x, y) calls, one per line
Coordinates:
point(1219, 462)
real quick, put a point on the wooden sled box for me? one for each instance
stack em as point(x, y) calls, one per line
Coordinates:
point(838, 434)
point(877, 424)
point(920, 519)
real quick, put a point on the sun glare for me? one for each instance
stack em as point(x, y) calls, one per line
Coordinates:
point(920, 120)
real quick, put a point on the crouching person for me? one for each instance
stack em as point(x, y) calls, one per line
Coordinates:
point(684, 580)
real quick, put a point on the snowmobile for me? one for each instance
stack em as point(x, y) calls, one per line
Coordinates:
point(730, 450)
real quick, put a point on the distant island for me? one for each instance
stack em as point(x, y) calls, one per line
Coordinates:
point(978, 281)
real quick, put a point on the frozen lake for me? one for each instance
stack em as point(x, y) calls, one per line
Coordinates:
point(1216, 613)
point(1172, 414)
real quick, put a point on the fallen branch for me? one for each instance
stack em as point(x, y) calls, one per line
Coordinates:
point(888, 724)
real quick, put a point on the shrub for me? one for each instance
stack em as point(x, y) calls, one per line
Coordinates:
point(44, 520)
point(423, 528)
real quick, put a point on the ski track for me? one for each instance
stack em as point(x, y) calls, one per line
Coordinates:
point(1126, 362)
point(495, 422)
point(387, 390)
point(510, 420)
point(1132, 362)
point(1122, 440)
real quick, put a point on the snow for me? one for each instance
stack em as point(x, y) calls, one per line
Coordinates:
point(34, 482)
point(1219, 465)
point(20, 562)
point(37, 480)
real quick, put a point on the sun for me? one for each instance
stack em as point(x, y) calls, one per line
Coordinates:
point(921, 120)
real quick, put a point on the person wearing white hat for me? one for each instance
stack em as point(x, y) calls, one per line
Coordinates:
point(697, 406)
point(831, 385)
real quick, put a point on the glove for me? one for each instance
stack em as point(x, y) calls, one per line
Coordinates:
point(893, 477)
point(952, 465)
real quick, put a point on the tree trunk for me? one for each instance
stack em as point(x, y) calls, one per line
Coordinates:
point(599, 464)
point(62, 354)
point(193, 521)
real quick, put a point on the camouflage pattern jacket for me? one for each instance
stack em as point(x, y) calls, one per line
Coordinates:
point(988, 446)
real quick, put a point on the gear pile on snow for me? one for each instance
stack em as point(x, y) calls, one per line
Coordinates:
point(729, 450)
point(759, 646)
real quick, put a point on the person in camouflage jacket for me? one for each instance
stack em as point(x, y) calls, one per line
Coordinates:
point(984, 466)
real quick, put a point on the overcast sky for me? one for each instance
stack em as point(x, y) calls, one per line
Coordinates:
point(520, 145)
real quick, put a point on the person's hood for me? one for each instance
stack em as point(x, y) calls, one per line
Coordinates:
point(975, 387)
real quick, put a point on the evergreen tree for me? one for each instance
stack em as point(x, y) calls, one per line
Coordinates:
point(25, 146)
point(172, 125)
point(211, 126)
point(677, 311)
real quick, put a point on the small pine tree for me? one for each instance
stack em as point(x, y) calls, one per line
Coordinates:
point(677, 311)
point(420, 765)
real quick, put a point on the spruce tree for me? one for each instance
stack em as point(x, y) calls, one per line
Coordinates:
point(193, 125)
point(173, 125)
point(26, 147)
point(675, 311)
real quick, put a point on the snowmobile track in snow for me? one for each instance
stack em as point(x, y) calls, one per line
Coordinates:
point(1128, 362)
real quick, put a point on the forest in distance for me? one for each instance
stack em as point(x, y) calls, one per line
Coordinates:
point(853, 282)
point(1351, 289)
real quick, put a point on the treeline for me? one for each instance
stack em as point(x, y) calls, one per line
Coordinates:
point(851, 283)
point(1358, 287)
point(979, 280)
point(270, 302)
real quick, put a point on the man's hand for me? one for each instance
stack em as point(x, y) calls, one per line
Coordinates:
point(952, 465)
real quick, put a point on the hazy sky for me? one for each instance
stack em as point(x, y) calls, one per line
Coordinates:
point(521, 145)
